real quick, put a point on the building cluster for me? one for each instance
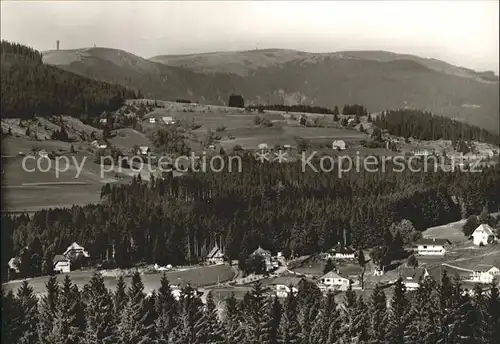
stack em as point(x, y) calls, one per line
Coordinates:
point(61, 263)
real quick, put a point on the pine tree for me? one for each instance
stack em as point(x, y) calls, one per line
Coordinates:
point(491, 324)
point(397, 314)
point(28, 314)
point(350, 298)
point(135, 324)
point(290, 332)
point(212, 328)
point(234, 332)
point(120, 295)
point(69, 322)
point(48, 309)
point(329, 266)
point(100, 314)
point(190, 325)
point(166, 308)
point(378, 315)
point(11, 316)
point(256, 315)
point(275, 310)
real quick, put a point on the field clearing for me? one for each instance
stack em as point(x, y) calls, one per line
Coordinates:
point(126, 138)
point(198, 276)
point(451, 231)
point(27, 191)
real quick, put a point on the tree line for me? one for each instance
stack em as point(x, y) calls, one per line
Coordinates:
point(434, 313)
point(31, 88)
point(177, 220)
point(427, 126)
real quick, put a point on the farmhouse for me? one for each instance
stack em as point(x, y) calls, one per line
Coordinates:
point(262, 146)
point(485, 273)
point(339, 145)
point(74, 251)
point(152, 120)
point(61, 264)
point(215, 256)
point(14, 264)
point(266, 255)
point(483, 235)
point(412, 277)
point(334, 280)
point(286, 283)
point(432, 247)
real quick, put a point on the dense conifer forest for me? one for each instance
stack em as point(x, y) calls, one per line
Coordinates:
point(178, 219)
point(31, 88)
point(426, 126)
point(434, 313)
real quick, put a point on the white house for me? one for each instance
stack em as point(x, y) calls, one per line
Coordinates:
point(74, 250)
point(61, 264)
point(424, 152)
point(144, 150)
point(215, 256)
point(43, 153)
point(262, 146)
point(339, 145)
point(413, 276)
point(99, 144)
point(484, 273)
point(432, 247)
point(168, 120)
point(334, 280)
point(482, 233)
point(152, 120)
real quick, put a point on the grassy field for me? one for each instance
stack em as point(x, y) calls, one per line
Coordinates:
point(198, 276)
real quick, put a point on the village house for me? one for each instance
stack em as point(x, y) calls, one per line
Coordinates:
point(61, 264)
point(483, 235)
point(152, 120)
point(332, 280)
point(168, 120)
point(413, 276)
point(74, 251)
point(14, 264)
point(143, 150)
point(423, 152)
point(262, 146)
point(339, 145)
point(215, 256)
point(43, 153)
point(266, 255)
point(99, 144)
point(341, 252)
point(484, 273)
point(432, 247)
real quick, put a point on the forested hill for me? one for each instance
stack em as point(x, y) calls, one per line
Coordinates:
point(30, 87)
point(426, 126)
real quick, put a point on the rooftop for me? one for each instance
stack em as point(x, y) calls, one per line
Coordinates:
point(433, 241)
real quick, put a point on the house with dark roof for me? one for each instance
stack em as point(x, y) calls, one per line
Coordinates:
point(485, 273)
point(413, 276)
point(215, 256)
point(61, 264)
point(432, 246)
point(266, 255)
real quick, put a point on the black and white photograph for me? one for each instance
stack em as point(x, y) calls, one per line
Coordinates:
point(250, 172)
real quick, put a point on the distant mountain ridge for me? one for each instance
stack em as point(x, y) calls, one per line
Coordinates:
point(377, 79)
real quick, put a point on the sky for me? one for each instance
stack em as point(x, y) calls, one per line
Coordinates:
point(464, 33)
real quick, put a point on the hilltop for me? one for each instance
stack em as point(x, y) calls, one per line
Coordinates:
point(379, 80)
